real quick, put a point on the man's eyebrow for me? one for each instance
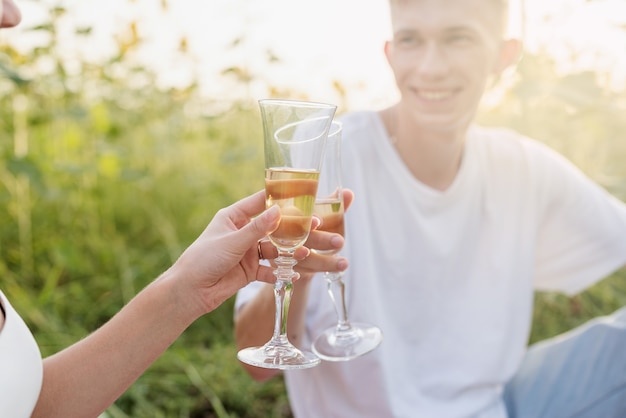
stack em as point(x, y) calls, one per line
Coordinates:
point(402, 33)
point(450, 29)
point(407, 30)
point(461, 28)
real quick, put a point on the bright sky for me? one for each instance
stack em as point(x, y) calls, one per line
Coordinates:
point(317, 41)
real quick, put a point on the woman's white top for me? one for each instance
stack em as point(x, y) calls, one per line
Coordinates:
point(21, 366)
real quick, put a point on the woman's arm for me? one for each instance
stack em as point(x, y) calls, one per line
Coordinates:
point(86, 378)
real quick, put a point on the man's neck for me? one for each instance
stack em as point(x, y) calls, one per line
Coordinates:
point(433, 157)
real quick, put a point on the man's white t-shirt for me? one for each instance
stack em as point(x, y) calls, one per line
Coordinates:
point(449, 276)
point(21, 368)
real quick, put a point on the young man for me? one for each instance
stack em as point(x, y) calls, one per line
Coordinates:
point(84, 379)
point(462, 224)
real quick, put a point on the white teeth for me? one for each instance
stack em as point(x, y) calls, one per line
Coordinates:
point(435, 95)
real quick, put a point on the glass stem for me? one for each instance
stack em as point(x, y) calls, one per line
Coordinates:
point(283, 288)
point(336, 290)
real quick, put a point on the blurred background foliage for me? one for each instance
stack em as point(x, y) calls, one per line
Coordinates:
point(105, 178)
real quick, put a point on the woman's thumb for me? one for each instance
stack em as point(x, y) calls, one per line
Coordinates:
point(264, 224)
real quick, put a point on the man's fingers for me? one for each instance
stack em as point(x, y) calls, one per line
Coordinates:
point(324, 241)
point(348, 198)
point(318, 263)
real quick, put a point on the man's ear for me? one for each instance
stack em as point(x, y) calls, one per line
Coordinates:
point(509, 56)
point(387, 49)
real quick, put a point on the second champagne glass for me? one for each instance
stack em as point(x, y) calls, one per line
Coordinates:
point(295, 134)
point(346, 340)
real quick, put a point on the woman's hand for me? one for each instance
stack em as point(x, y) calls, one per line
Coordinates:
point(224, 258)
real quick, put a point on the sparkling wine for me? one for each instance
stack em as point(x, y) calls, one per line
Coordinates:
point(294, 192)
point(330, 212)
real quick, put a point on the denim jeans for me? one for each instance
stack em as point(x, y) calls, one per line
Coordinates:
point(579, 374)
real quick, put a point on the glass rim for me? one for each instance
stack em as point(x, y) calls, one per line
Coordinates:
point(336, 126)
point(302, 103)
point(301, 141)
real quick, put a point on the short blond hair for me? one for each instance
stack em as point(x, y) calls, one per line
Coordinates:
point(502, 5)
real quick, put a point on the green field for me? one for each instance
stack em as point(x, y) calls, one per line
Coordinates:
point(105, 179)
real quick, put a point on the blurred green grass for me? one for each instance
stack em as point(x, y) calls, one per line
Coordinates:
point(555, 313)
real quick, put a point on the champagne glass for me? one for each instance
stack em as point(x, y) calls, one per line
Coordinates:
point(346, 340)
point(295, 135)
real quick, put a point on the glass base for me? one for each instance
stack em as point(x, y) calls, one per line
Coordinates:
point(283, 357)
point(335, 345)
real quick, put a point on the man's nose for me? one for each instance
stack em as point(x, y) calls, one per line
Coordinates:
point(433, 61)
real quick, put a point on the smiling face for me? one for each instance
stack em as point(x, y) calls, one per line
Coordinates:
point(9, 14)
point(443, 54)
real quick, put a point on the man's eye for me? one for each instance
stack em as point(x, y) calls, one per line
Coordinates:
point(407, 41)
point(459, 39)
